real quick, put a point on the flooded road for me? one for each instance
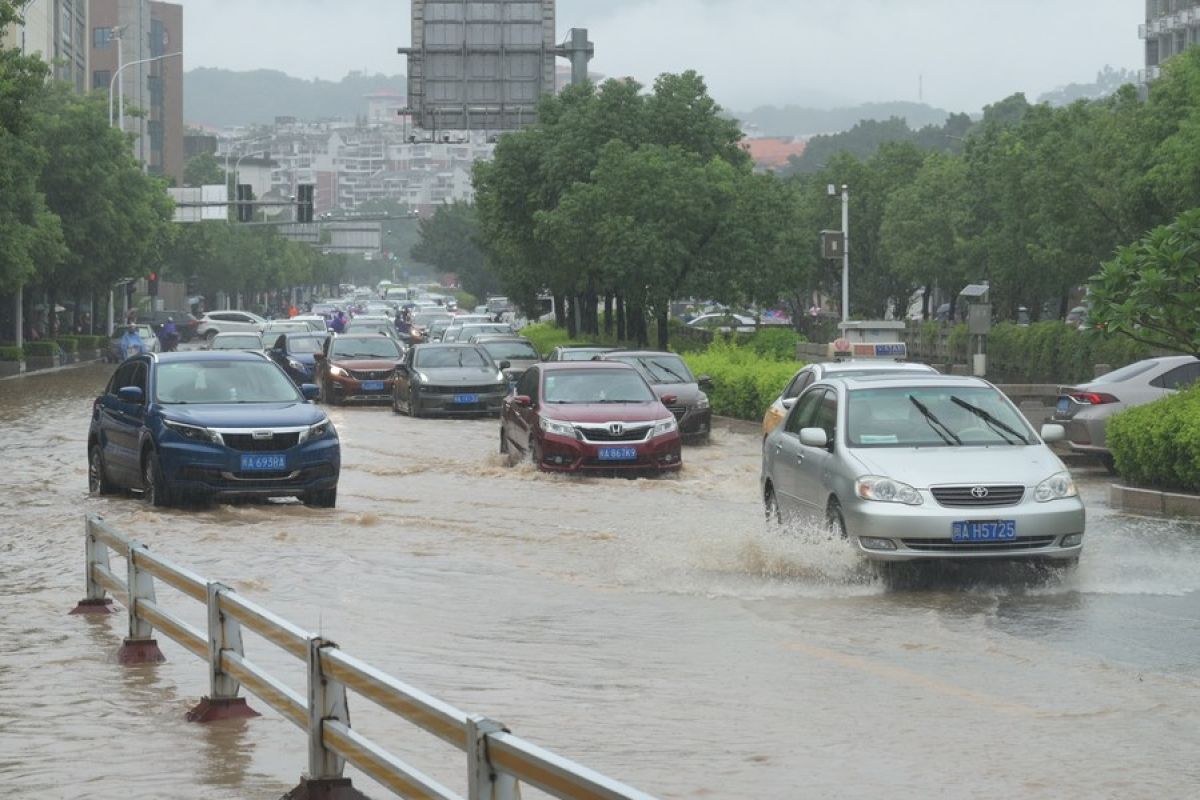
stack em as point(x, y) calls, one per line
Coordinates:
point(654, 630)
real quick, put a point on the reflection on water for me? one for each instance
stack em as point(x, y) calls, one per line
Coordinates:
point(656, 629)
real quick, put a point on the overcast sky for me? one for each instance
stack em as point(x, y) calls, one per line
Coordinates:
point(751, 52)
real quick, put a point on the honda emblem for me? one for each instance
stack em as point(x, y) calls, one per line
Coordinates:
point(616, 428)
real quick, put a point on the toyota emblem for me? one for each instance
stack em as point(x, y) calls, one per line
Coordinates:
point(616, 428)
point(979, 492)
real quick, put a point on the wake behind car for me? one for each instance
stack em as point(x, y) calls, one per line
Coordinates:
point(357, 367)
point(668, 375)
point(449, 379)
point(201, 425)
point(922, 467)
point(588, 417)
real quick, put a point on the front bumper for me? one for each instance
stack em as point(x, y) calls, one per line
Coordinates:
point(561, 454)
point(347, 389)
point(694, 423)
point(206, 470)
point(924, 532)
point(443, 402)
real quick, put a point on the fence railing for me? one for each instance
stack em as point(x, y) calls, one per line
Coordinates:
point(497, 761)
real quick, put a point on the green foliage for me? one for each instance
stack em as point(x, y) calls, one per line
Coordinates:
point(11, 353)
point(69, 344)
point(546, 336)
point(449, 241)
point(203, 170)
point(1051, 352)
point(774, 343)
point(92, 342)
point(744, 383)
point(41, 349)
point(1158, 444)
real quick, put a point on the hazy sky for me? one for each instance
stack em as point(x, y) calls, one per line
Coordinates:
point(751, 52)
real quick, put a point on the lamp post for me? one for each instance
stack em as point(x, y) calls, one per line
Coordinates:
point(116, 81)
point(833, 192)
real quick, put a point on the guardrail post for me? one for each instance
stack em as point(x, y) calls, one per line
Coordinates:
point(95, 554)
point(224, 633)
point(484, 782)
point(139, 647)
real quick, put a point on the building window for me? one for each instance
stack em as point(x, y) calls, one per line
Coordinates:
point(156, 92)
point(102, 38)
point(101, 79)
point(155, 129)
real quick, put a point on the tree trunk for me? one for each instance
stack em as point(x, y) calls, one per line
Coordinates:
point(621, 330)
point(926, 301)
point(664, 329)
point(560, 311)
point(572, 316)
point(608, 313)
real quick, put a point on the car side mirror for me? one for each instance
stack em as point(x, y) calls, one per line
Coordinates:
point(789, 403)
point(131, 394)
point(669, 399)
point(814, 437)
point(310, 391)
point(1053, 433)
point(523, 400)
point(505, 365)
point(705, 382)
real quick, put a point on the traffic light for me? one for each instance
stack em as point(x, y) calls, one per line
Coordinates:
point(245, 211)
point(304, 209)
point(152, 284)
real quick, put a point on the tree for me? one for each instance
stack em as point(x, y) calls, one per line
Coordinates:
point(203, 170)
point(450, 241)
point(1151, 290)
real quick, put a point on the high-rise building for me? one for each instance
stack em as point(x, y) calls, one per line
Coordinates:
point(141, 30)
point(1171, 26)
point(58, 31)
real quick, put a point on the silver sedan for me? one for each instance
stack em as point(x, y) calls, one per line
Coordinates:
point(922, 467)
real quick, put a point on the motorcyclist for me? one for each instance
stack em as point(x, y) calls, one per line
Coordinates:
point(168, 335)
point(131, 344)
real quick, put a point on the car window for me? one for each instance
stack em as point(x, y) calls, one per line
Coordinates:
point(799, 384)
point(1178, 378)
point(508, 351)
point(200, 382)
point(933, 416)
point(1126, 372)
point(374, 347)
point(596, 386)
point(122, 378)
point(826, 416)
point(665, 368)
point(302, 345)
point(451, 357)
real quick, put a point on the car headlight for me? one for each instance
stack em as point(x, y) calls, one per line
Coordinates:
point(703, 403)
point(1055, 487)
point(558, 428)
point(421, 377)
point(663, 427)
point(886, 490)
point(194, 432)
point(317, 431)
point(339, 372)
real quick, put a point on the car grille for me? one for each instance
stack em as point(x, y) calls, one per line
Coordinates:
point(246, 443)
point(947, 546)
point(970, 497)
point(603, 434)
point(489, 389)
point(371, 375)
point(254, 480)
point(678, 411)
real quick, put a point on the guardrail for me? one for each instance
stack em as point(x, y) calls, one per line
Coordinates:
point(497, 761)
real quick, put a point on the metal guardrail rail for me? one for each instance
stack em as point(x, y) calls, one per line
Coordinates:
point(498, 762)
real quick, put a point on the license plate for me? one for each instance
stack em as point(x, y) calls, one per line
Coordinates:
point(372, 386)
point(1064, 405)
point(466, 399)
point(1003, 530)
point(271, 463)
point(618, 454)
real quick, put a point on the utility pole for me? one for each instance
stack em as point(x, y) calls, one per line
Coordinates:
point(845, 253)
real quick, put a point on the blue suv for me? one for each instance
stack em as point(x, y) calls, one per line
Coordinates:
point(202, 425)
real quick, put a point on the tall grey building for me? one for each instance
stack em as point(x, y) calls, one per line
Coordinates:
point(57, 30)
point(479, 65)
point(1171, 26)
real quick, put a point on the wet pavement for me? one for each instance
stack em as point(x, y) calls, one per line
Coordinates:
point(653, 629)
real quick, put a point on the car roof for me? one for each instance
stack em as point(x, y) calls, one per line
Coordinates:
point(208, 355)
point(641, 353)
point(230, 334)
point(446, 345)
point(499, 337)
point(926, 379)
point(567, 366)
point(605, 348)
point(832, 367)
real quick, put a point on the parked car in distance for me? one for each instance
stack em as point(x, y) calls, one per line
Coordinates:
point(296, 353)
point(202, 425)
point(1084, 410)
point(185, 322)
point(275, 327)
point(578, 352)
point(449, 379)
point(587, 417)
point(812, 373)
point(922, 467)
point(724, 323)
point(518, 351)
point(234, 341)
point(150, 343)
point(436, 328)
point(357, 367)
point(316, 324)
point(215, 322)
point(669, 376)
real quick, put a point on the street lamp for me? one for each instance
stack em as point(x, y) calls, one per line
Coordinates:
point(833, 192)
point(117, 76)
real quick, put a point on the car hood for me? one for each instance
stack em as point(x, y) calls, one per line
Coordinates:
point(367, 364)
point(245, 415)
point(923, 467)
point(606, 412)
point(688, 394)
point(464, 376)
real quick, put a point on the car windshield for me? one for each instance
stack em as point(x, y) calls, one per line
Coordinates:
point(247, 342)
point(659, 368)
point(305, 345)
point(366, 347)
point(202, 382)
point(941, 416)
point(423, 320)
point(450, 357)
point(511, 351)
point(596, 386)
point(580, 354)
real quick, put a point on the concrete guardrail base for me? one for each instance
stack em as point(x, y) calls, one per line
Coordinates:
point(1152, 501)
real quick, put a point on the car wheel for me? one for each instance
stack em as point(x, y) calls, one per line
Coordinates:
point(154, 489)
point(414, 404)
point(212, 334)
point(835, 523)
point(771, 507)
point(503, 440)
point(326, 498)
point(98, 482)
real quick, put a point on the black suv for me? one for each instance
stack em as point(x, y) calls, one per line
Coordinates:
point(185, 322)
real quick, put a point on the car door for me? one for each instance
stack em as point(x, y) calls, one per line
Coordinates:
point(521, 420)
point(785, 455)
point(814, 463)
point(403, 376)
point(123, 425)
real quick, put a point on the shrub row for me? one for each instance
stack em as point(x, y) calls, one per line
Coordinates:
point(11, 353)
point(744, 383)
point(1051, 352)
point(1157, 445)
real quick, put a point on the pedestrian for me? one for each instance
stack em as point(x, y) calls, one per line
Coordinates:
point(131, 344)
point(293, 311)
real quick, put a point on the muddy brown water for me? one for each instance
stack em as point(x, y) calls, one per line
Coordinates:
point(654, 630)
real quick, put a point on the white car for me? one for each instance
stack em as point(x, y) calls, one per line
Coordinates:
point(724, 323)
point(215, 322)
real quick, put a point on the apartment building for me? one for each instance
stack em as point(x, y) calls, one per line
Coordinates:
point(1171, 26)
point(57, 30)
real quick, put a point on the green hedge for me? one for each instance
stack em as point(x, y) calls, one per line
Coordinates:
point(69, 344)
point(1051, 352)
point(11, 353)
point(42, 349)
point(546, 336)
point(92, 342)
point(744, 383)
point(1157, 445)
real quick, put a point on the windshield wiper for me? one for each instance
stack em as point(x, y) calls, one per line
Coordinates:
point(936, 424)
point(1001, 428)
point(678, 378)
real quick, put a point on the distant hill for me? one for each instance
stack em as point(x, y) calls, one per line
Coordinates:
point(221, 98)
point(1107, 82)
point(802, 121)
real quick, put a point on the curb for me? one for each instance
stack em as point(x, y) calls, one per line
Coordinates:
point(51, 370)
point(1152, 501)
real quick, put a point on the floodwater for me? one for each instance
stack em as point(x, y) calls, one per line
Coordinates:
point(654, 630)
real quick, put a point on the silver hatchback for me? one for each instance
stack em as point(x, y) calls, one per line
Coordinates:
point(927, 467)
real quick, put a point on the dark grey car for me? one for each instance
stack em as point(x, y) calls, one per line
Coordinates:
point(518, 351)
point(672, 381)
point(449, 379)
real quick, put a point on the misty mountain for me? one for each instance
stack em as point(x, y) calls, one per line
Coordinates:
point(805, 122)
point(1107, 82)
point(221, 98)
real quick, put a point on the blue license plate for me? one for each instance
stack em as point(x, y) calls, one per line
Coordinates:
point(465, 399)
point(618, 454)
point(1063, 405)
point(1002, 530)
point(266, 463)
point(372, 386)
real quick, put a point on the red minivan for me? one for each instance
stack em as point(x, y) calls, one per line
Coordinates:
point(589, 416)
